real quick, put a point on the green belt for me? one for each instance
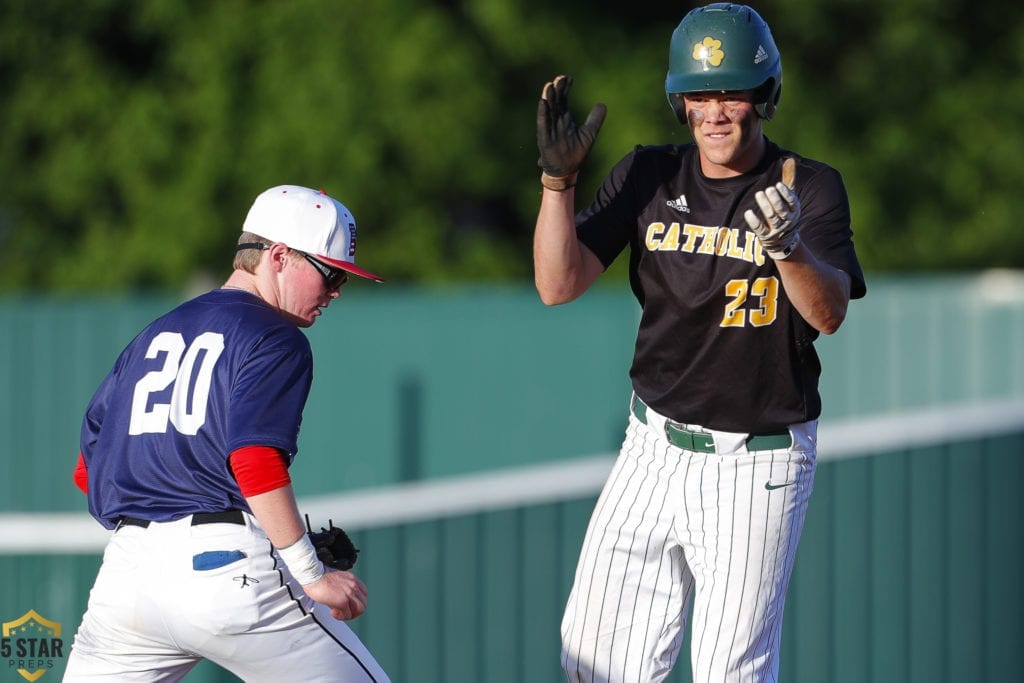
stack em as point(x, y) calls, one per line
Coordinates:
point(702, 442)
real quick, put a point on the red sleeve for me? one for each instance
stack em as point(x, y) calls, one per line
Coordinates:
point(259, 469)
point(81, 475)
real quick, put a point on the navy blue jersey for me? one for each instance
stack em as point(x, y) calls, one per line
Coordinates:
point(219, 372)
point(719, 343)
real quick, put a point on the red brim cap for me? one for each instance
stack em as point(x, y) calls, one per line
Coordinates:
point(350, 268)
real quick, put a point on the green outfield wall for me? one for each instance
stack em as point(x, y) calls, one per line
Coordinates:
point(908, 571)
point(439, 420)
point(415, 385)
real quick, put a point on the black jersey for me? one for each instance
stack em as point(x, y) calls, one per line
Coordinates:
point(719, 343)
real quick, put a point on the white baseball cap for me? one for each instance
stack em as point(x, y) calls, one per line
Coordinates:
point(310, 221)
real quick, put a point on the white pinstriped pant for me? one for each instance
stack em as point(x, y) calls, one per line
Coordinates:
point(674, 526)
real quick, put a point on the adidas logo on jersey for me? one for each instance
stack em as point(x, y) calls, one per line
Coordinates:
point(761, 55)
point(679, 204)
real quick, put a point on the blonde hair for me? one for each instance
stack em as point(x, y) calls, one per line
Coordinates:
point(248, 259)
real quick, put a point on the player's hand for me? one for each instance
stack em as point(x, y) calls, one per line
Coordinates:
point(342, 591)
point(775, 224)
point(564, 145)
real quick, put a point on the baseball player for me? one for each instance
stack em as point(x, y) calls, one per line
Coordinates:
point(185, 450)
point(740, 254)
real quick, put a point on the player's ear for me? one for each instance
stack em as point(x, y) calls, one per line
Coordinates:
point(277, 256)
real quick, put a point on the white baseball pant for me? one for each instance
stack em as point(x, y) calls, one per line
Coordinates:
point(152, 615)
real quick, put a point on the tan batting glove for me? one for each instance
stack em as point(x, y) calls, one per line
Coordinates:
point(776, 223)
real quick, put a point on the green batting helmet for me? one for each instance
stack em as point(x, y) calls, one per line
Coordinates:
point(724, 47)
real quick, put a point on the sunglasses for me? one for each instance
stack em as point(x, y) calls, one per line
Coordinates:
point(333, 277)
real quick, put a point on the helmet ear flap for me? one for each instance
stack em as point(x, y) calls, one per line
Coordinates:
point(675, 100)
point(768, 99)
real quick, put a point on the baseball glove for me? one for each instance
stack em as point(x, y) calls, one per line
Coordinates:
point(333, 546)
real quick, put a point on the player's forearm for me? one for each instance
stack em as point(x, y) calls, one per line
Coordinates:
point(560, 267)
point(278, 515)
point(819, 292)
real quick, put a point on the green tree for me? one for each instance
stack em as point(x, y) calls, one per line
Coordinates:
point(918, 103)
point(135, 134)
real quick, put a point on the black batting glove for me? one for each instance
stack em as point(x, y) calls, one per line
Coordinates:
point(563, 145)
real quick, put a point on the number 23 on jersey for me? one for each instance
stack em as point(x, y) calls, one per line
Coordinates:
point(764, 293)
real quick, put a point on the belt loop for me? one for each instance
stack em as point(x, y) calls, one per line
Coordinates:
point(639, 408)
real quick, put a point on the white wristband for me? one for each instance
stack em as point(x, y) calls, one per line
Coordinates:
point(302, 561)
